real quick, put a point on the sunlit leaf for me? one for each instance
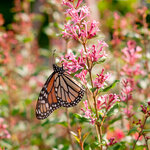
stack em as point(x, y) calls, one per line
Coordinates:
point(75, 136)
point(93, 89)
point(146, 130)
point(111, 111)
point(110, 86)
point(63, 123)
point(115, 119)
point(133, 130)
point(81, 118)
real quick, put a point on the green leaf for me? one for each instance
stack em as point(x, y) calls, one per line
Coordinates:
point(81, 118)
point(111, 111)
point(110, 86)
point(28, 101)
point(68, 18)
point(140, 147)
point(118, 146)
point(93, 89)
point(146, 130)
point(114, 120)
point(100, 61)
point(15, 111)
point(27, 39)
point(45, 123)
point(76, 137)
point(133, 130)
point(63, 123)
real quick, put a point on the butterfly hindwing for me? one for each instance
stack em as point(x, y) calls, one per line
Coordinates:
point(69, 91)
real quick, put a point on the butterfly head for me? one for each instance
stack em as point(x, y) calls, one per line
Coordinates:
point(58, 69)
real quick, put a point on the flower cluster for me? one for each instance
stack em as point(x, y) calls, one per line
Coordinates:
point(73, 63)
point(146, 109)
point(87, 112)
point(77, 28)
point(4, 134)
point(94, 54)
point(115, 136)
point(131, 56)
point(100, 79)
point(111, 141)
point(107, 101)
point(126, 92)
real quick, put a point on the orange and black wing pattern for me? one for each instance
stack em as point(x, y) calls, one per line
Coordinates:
point(47, 101)
point(59, 90)
point(69, 92)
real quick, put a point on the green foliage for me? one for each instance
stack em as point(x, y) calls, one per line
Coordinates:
point(110, 86)
point(112, 109)
point(81, 118)
point(118, 146)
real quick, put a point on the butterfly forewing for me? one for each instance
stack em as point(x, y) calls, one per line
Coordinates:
point(47, 101)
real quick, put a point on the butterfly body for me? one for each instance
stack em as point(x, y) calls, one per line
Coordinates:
point(60, 90)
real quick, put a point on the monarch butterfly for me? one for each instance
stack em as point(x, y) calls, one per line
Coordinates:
point(60, 89)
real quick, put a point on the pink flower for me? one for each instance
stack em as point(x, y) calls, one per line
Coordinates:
point(107, 101)
point(131, 44)
point(126, 91)
point(116, 16)
point(117, 134)
point(112, 141)
point(100, 79)
point(72, 63)
point(77, 28)
point(144, 109)
point(87, 112)
point(77, 15)
point(4, 134)
point(81, 76)
point(67, 4)
point(78, 3)
point(96, 51)
point(131, 53)
point(93, 29)
point(128, 111)
point(136, 136)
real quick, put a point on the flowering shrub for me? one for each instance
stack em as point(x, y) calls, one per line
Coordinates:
point(115, 111)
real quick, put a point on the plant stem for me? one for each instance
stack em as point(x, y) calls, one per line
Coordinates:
point(69, 129)
point(146, 141)
point(140, 133)
point(94, 98)
point(81, 145)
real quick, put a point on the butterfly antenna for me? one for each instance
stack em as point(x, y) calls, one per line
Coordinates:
point(53, 56)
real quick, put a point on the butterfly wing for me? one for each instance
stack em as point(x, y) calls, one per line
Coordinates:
point(69, 92)
point(47, 101)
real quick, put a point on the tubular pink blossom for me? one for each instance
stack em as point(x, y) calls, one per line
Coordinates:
point(107, 101)
point(87, 112)
point(82, 76)
point(67, 4)
point(100, 79)
point(95, 52)
point(78, 3)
